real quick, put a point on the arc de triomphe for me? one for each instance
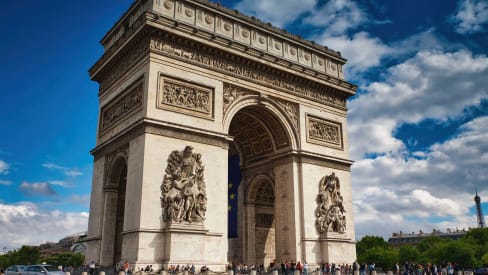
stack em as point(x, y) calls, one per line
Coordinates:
point(185, 85)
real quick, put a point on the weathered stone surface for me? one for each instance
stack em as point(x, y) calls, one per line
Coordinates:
point(183, 86)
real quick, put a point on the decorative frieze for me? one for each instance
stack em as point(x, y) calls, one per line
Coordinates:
point(127, 103)
point(185, 97)
point(324, 132)
point(183, 190)
point(121, 64)
point(330, 209)
point(248, 70)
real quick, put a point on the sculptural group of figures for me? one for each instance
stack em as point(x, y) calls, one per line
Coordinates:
point(186, 97)
point(183, 189)
point(330, 210)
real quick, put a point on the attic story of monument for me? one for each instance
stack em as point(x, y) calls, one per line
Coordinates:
point(186, 87)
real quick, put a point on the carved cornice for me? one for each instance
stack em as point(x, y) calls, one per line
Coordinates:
point(203, 13)
point(202, 55)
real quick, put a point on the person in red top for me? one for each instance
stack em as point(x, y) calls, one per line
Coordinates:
point(299, 267)
point(126, 267)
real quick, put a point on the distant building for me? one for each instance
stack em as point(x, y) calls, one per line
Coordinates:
point(400, 239)
point(72, 243)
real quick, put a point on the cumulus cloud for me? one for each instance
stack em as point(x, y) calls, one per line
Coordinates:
point(80, 199)
point(277, 12)
point(37, 188)
point(25, 223)
point(70, 172)
point(432, 84)
point(471, 16)
point(5, 182)
point(361, 50)
point(407, 190)
point(337, 17)
point(4, 167)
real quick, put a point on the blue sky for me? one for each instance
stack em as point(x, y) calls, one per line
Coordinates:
point(418, 126)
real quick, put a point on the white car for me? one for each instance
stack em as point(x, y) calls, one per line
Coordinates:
point(15, 270)
point(42, 269)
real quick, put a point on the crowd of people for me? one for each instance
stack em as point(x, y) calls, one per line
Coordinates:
point(290, 267)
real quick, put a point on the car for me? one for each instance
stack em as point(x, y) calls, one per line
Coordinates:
point(42, 269)
point(15, 270)
point(481, 271)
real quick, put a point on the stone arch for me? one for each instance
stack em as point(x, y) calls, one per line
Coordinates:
point(258, 188)
point(271, 107)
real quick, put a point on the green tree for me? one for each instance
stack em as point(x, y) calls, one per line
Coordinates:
point(368, 242)
point(429, 242)
point(484, 260)
point(408, 253)
point(384, 257)
point(26, 255)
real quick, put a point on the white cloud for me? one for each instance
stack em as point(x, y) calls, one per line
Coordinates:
point(5, 182)
point(37, 188)
point(337, 17)
point(4, 167)
point(80, 199)
point(25, 223)
point(471, 16)
point(432, 84)
point(361, 50)
point(277, 12)
point(410, 193)
point(70, 172)
point(59, 183)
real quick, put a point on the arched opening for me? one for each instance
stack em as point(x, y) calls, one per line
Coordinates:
point(115, 193)
point(121, 175)
point(259, 136)
point(261, 197)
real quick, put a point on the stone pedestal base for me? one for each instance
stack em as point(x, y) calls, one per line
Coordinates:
point(184, 244)
point(337, 250)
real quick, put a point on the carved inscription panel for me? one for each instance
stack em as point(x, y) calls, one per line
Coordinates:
point(324, 132)
point(185, 97)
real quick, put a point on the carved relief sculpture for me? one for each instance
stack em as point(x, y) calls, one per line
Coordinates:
point(180, 96)
point(330, 209)
point(124, 105)
point(183, 189)
point(291, 110)
point(324, 132)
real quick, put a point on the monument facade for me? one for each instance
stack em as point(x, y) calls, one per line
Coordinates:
point(184, 86)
